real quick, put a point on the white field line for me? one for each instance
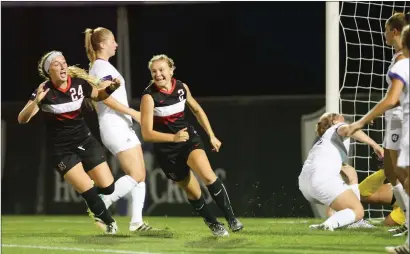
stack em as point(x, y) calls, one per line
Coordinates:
point(21, 246)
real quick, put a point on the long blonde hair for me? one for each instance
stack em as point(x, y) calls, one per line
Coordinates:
point(93, 38)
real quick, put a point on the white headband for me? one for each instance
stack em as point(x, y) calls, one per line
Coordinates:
point(50, 58)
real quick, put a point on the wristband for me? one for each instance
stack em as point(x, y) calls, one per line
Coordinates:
point(109, 90)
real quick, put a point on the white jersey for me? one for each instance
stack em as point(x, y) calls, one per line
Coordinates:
point(397, 111)
point(329, 152)
point(104, 70)
point(401, 71)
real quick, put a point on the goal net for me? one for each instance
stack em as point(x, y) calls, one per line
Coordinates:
point(367, 58)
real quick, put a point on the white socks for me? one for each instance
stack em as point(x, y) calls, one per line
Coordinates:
point(138, 199)
point(341, 218)
point(123, 186)
point(401, 197)
point(355, 189)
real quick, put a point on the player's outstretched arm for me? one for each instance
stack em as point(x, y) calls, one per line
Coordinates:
point(106, 88)
point(147, 125)
point(203, 120)
point(345, 131)
point(32, 106)
point(121, 108)
point(391, 100)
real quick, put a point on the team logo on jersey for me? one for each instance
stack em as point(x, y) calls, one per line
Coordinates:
point(394, 138)
point(62, 166)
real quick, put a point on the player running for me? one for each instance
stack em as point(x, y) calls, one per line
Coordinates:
point(115, 121)
point(72, 149)
point(178, 147)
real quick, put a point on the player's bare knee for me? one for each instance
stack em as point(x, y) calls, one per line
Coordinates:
point(359, 212)
point(137, 176)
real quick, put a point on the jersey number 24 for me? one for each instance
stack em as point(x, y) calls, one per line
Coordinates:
point(76, 94)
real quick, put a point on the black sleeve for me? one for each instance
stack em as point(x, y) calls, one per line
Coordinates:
point(33, 95)
point(87, 89)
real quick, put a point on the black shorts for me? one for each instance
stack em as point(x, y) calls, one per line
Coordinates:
point(173, 158)
point(90, 153)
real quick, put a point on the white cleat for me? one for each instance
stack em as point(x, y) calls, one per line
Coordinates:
point(399, 231)
point(139, 227)
point(109, 229)
point(217, 229)
point(361, 224)
point(401, 249)
point(322, 226)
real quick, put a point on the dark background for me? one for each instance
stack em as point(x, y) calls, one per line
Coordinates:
point(272, 54)
point(220, 49)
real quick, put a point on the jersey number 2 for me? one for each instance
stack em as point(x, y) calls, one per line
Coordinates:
point(181, 94)
point(75, 95)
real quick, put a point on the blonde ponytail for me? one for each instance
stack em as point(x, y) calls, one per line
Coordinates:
point(89, 49)
point(93, 38)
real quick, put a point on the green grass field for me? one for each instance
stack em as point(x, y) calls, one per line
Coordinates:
point(77, 234)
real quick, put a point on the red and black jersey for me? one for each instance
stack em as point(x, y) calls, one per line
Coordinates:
point(62, 108)
point(169, 116)
point(169, 107)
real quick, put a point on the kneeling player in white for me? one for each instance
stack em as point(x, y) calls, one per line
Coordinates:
point(399, 92)
point(319, 180)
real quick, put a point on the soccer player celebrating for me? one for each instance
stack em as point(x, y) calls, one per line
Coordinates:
point(73, 151)
point(319, 180)
point(178, 147)
point(115, 121)
point(398, 93)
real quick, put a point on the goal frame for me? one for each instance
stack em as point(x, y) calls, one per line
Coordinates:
point(332, 57)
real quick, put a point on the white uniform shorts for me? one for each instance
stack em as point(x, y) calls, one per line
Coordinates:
point(118, 138)
point(392, 134)
point(403, 160)
point(321, 189)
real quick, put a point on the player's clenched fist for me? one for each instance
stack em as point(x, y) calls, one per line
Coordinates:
point(181, 136)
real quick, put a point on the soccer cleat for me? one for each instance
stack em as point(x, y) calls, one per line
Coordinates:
point(322, 226)
point(217, 229)
point(399, 231)
point(361, 224)
point(235, 225)
point(110, 229)
point(139, 226)
point(401, 249)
